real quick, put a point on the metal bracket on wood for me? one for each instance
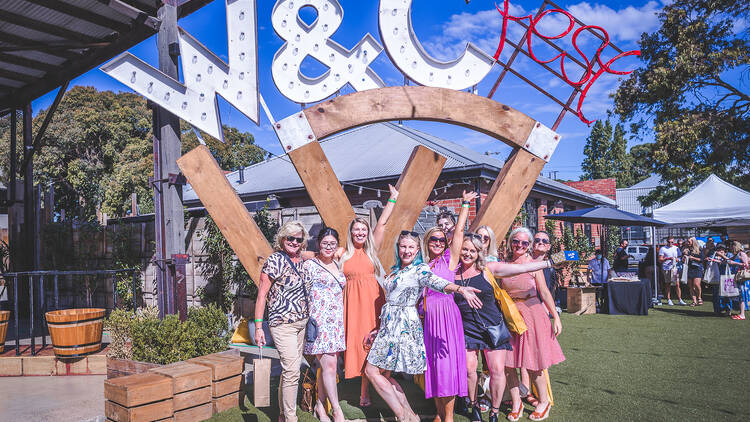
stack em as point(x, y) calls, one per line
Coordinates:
point(134, 13)
point(172, 179)
point(542, 141)
point(294, 131)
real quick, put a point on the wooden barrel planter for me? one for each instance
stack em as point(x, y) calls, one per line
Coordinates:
point(76, 332)
point(4, 318)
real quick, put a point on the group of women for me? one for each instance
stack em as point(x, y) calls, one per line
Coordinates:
point(341, 299)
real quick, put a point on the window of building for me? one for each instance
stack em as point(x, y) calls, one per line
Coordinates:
point(531, 215)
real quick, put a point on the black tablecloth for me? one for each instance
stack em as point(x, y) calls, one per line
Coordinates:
point(626, 298)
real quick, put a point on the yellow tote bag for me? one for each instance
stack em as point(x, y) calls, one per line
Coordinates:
point(545, 373)
point(242, 333)
point(513, 318)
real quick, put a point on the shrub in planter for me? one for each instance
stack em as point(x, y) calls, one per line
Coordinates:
point(169, 340)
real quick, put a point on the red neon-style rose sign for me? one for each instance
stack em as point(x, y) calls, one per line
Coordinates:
point(589, 77)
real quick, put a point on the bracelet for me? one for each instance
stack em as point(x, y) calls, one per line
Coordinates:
point(258, 320)
point(465, 202)
point(464, 205)
point(391, 200)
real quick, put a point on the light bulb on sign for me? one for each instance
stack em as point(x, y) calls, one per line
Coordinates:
point(302, 40)
point(409, 56)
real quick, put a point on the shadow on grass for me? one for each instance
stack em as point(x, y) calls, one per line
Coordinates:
point(687, 311)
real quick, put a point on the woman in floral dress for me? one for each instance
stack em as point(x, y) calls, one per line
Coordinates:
point(399, 345)
point(326, 297)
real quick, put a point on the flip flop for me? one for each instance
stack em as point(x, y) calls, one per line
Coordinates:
point(738, 317)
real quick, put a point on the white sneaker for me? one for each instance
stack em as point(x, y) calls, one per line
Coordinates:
point(670, 303)
point(681, 302)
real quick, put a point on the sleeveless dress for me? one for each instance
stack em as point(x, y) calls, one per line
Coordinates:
point(443, 338)
point(399, 345)
point(363, 300)
point(537, 348)
point(326, 296)
point(489, 313)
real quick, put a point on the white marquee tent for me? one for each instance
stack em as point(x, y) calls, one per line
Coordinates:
point(713, 203)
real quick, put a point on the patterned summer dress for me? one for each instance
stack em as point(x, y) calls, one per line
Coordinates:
point(399, 345)
point(326, 295)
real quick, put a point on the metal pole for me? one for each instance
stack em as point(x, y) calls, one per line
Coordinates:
point(28, 193)
point(135, 297)
point(15, 311)
point(114, 291)
point(31, 315)
point(42, 309)
point(656, 276)
point(57, 297)
point(12, 234)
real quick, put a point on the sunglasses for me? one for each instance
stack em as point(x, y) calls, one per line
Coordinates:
point(436, 239)
point(295, 239)
point(524, 243)
point(473, 236)
point(540, 240)
point(329, 245)
point(407, 232)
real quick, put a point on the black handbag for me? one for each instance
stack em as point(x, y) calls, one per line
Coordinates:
point(494, 335)
point(311, 329)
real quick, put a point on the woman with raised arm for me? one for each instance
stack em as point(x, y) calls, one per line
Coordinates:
point(445, 377)
point(363, 297)
point(399, 342)
point(325, 295)
point(283, 286)
point(537, 349)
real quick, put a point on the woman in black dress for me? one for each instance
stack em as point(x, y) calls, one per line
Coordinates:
point(694, 257)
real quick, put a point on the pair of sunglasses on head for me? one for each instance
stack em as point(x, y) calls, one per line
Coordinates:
point(525, 243)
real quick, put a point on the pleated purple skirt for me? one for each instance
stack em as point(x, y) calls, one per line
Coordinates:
point(445, 349)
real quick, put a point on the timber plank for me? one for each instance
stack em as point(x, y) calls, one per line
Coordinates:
point(145, 413)
point(196, 413)
point(414, 187)
point(138, 389)
point(185, 376)
point(323, 186)
point(420, 103)
point(226, 208)
point(226, 386)
point(221, 367)
point(508, 192)
point(192, 398)
point(227, 402)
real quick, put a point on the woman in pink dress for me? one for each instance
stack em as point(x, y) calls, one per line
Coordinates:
point(537, 349)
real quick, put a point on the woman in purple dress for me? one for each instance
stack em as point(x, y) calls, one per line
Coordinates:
point(445, 377)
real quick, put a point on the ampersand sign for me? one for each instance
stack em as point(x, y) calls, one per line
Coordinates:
point(302, 40)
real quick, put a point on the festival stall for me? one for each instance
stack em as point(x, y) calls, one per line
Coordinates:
point(713, 203)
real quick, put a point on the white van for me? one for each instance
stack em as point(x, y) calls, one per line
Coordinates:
point(636, 254)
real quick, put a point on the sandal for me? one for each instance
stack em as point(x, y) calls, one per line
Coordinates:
point(494, 411)
point(531, 400)
point(738, 317)
point(536, 416)
point(515, 415)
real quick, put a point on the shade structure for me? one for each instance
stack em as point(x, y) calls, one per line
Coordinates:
point(713, 203)
point(606, 215)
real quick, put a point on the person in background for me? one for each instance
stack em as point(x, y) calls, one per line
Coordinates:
point(598, 272)
point(282, 287)
point(621, 257)
point(737, 261)
point(488, 242)
point(536, 349)
point(445, 376)
point(326, 298)
point(540, 252)
point(722, 304)
point(668, 257)
point(446, 221)
point(694, 257)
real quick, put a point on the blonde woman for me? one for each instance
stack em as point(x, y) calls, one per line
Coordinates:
point(283, 288)
point(694, 257)
point(363, 297)
point(489, 244)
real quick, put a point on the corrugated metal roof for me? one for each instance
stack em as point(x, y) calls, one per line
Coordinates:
point(627, 198)
point(46, 42)
point(375, 151)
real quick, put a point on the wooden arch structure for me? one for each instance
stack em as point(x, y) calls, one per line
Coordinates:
point(532, 145)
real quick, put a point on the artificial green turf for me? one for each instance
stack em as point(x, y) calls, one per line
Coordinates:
point(677, 363)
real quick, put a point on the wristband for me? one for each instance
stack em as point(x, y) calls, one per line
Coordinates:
point(391, 200)
point(258, 320)
point(464, 205)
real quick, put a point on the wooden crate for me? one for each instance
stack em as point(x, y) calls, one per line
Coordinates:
point(185, 376)
point(582, 300)
point(138, 389)
point(122, 367)
point(196, 413)
point(192, 398)
point(144, 413)
point(226, 402)
point(222, 366)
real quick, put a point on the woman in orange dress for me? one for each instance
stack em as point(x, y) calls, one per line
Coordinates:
point(363, 297)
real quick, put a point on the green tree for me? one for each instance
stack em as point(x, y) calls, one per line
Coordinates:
point(98, 150)
point(620, 161)
point(691, 93)
point(596, 152)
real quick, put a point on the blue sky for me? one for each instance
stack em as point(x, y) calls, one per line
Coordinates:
point(444, 32)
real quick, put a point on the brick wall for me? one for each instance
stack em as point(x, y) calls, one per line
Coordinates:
point(606, 187)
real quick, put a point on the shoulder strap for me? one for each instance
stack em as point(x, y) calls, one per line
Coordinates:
point(315, 260)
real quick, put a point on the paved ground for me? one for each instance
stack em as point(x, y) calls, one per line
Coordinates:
point(59, 399)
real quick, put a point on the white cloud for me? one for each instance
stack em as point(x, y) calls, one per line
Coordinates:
point(622, 25)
